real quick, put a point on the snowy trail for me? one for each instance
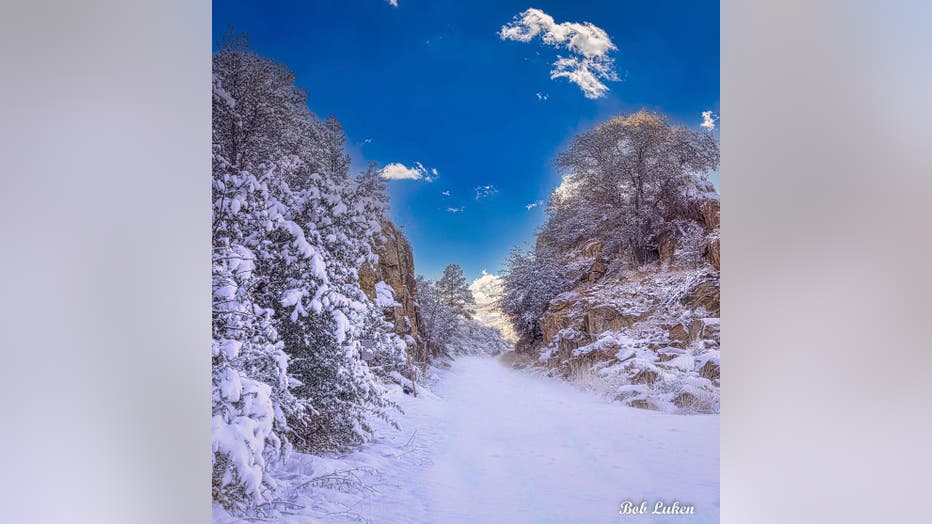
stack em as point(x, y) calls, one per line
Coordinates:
point(497, 445)
point(519, 448)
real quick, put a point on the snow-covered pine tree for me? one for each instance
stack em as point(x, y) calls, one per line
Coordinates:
point(326, 319)
point(251, 397)
point(321, 226)
point(453, 290)
point(386, 351)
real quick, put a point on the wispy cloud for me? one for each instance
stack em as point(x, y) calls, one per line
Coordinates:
point(397, 171)
point(485, 191)
point(542, 97)
point(429, 175)
point(445, 193)
point(367, 141)
point(708, 120)
point(590, 46)
point(455, 209)
point(532, 205)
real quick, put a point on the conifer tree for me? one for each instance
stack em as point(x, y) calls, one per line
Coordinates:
point(453, 290)
point(291, 227)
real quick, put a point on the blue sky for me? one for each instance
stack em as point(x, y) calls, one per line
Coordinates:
point(431, 81)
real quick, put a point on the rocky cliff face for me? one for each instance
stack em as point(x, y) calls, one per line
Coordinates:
point(396, 268)
point(648, 337)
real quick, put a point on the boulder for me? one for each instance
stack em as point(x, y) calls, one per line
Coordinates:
point(605, 317)
point(596, 271)
point(709, 212)
point(645, 376)
point(711, 251)
point(701, 329)
point(705, 293)
point(678, 333)
point(711, 370)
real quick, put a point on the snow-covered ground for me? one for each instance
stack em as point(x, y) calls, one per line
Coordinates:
point(491, 444)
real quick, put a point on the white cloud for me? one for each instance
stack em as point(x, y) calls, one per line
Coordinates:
point(367, 141)
point(445, 193)
point(585, 73)
point(486, 289)
point(393, 3)
point(485, 191)
point(397, 171)
point(532, 205)
point(455, 209)
point(708, 120)
point(589, 44)
point(542, 97)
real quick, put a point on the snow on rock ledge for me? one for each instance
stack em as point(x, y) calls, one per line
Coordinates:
point(649, 339)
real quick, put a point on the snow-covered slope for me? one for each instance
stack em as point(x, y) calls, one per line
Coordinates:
point(647, 338)
point(493, 444)
point(643, 332)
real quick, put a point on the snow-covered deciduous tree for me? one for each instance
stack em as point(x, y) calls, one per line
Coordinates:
point(531, 279)
point(629, 176)
point(439, 319)
point(264, 115)
point(328, 147)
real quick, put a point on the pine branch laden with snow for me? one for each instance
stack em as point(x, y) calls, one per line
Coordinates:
point(251, 388)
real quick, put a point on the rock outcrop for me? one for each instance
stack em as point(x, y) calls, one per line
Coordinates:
point(396, 268)
point(647, 336)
